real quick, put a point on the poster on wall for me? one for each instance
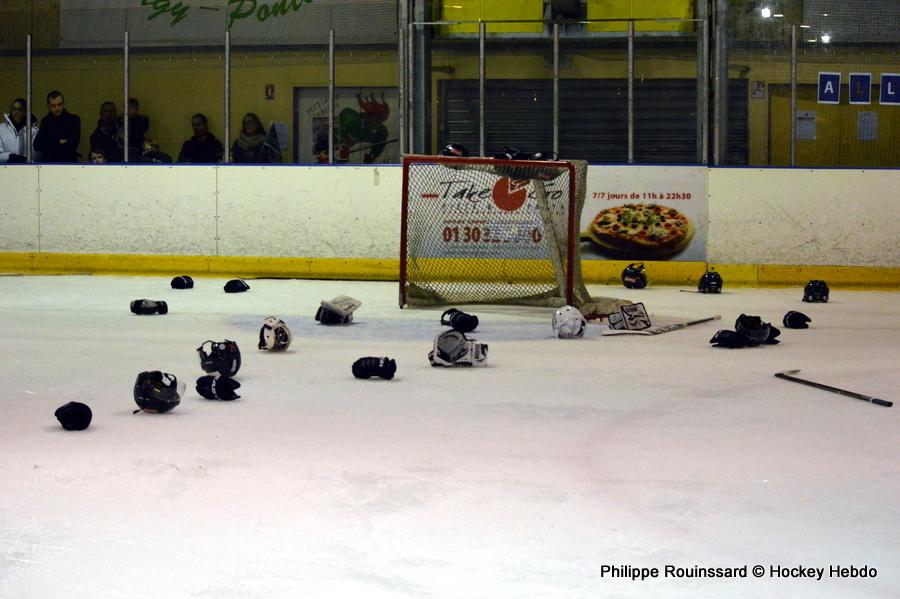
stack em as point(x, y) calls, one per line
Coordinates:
point(102, 23)
point(644, 213)
point(366, 127)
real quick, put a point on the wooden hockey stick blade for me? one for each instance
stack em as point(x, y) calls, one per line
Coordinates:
point(786, 375)
point(660, 329)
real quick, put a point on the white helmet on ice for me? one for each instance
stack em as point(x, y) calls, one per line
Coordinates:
point(568, 323)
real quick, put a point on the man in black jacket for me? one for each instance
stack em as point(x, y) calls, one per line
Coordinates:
point(138, 124)
point(107, 137)
point(203, 147)
point(60, 132)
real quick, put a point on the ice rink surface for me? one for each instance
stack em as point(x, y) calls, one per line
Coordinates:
point(518, 480)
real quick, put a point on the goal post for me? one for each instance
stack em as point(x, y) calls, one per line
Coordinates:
point(480, 230)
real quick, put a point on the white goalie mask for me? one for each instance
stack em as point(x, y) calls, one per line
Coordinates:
point(568, 323)
point(274, 335)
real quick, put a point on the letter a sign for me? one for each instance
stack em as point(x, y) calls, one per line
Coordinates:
point(829, 88)
point(890, 88)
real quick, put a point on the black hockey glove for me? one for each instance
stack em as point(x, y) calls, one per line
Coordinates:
point(145, 306)
point(460, 321)
point(218, 387)
point(368, 367)
point(729, 339)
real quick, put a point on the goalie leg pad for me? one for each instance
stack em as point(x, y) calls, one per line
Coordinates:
point(337, 311)
point(633, 317)
point(452, 348)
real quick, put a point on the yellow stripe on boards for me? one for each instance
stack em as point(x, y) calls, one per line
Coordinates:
point(387, 269)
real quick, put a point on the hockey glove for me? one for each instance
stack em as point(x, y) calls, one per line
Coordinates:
point(218, 387)
point(145, 306)
point(460, 321)
point(729, 339)
point(368, 367)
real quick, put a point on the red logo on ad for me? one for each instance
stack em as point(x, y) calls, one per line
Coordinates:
point(510, 194)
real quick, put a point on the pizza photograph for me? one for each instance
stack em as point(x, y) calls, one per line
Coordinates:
point(648, 231)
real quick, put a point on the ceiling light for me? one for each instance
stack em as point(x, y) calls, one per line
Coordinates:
point(766, 12)
point(826, 38)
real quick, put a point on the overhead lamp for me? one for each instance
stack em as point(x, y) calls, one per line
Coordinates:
point(826, 38)
point(766, 12)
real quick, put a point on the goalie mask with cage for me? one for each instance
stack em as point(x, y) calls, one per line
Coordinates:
point(453, 348)
point(222, 357)
point(274, 336)
point(157, 392)
point(568, 323)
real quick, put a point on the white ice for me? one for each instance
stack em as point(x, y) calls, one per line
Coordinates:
point(517, 480)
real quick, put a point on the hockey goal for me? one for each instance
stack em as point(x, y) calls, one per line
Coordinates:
point(479, 230)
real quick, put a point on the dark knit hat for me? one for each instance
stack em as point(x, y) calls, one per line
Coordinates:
point(183, 282)
point(236, 286)
point(74, 416)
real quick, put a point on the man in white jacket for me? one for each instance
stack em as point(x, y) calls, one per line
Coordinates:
point(13, 134)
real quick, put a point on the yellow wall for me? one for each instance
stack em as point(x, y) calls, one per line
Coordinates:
point(640, 9)
point(477, 10)
point(172, 88)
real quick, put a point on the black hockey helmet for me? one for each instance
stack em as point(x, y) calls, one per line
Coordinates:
point(815, 291)
point(753, 328)
point(156, 391)
point(710, 282)
point(548, 155)
point(634, 277)
point(222, 357)
point(455, 151)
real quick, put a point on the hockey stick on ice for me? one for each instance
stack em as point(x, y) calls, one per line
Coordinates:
point(786, 375)
point(660, 329)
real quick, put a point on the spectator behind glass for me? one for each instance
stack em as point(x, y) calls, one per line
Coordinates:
point(106, 137)
point(13, 134)
point(152, 155)
point(60, 132)
point(138, 125)
point(97, 156)
point(203, 147)
point(253, 146)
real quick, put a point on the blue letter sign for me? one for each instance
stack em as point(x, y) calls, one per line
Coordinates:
point(860, 88)
point(890, 88)
point(829, 88)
